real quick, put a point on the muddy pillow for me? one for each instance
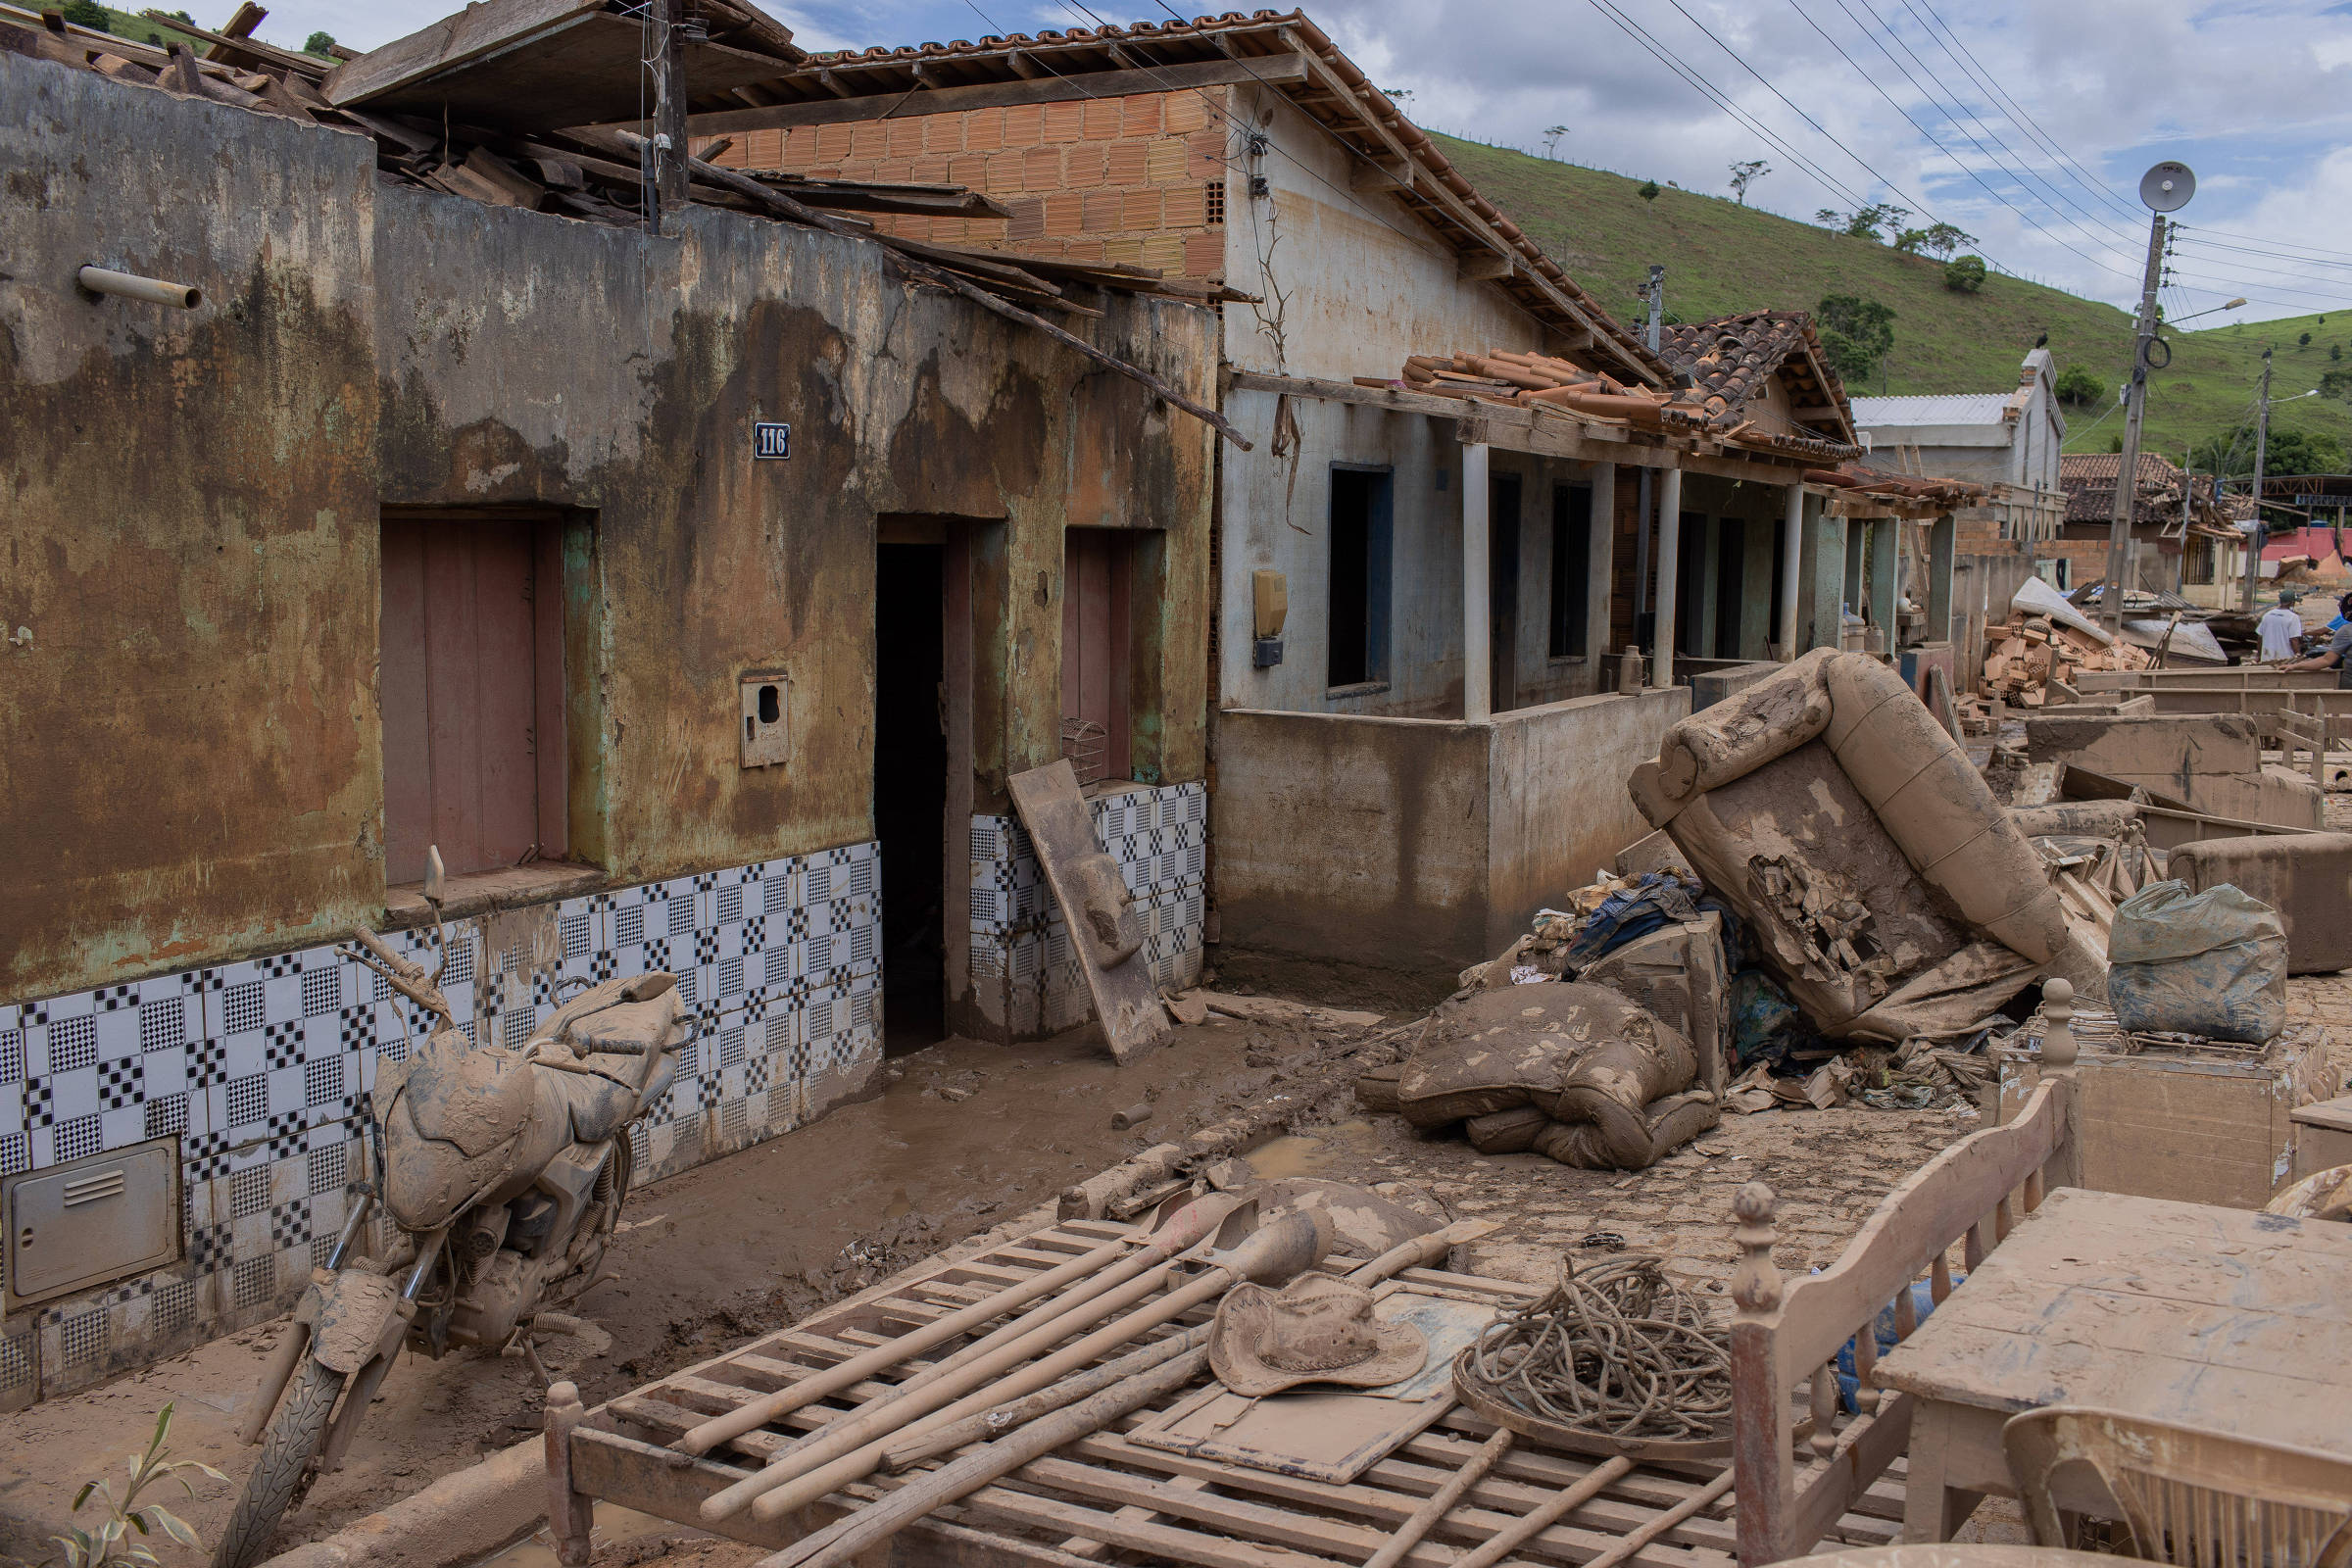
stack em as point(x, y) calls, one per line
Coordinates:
point(1490, 1050)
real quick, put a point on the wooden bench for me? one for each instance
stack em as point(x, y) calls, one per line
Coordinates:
point(1786, 1338)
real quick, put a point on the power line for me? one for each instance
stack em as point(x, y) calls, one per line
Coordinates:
point(2248, 250)
point(1933, 140)
point(1808, 118)
point(1960, 115)
point(1715, 95)
point(2090, 182)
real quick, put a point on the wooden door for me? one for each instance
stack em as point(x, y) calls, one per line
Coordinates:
point(472, 743)
point(1097, 578)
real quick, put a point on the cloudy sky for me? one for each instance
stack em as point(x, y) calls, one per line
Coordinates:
point(2026, 122)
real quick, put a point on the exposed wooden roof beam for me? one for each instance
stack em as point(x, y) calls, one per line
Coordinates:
point(1485, 268)
point(1381, 173)
point(1275, 69)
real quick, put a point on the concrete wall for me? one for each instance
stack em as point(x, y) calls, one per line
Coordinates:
point(193, 531)
point(191, 525)
point(1352, 285)
point(1417, 847)
point(188, 522)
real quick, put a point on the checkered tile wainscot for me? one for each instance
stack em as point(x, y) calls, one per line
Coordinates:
point(262, 1069)
point(1022, 960)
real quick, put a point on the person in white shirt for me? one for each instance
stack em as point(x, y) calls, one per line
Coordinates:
point(2281, 630)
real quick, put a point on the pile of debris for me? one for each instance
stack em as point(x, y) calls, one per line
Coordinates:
point(1593, 397)
point(2037, 658)
point(528, 107)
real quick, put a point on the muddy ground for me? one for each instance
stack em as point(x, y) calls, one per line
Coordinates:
point(717, 1255)
point(966, 1137)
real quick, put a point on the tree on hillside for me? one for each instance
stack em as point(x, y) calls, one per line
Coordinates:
point(2335, 383)
point(2081, 386)
point(1944, 238)
point(1965, 275)
point(1864, 223)
point(1855, 333)
point(2290, 451)
point(321, 44)
point(2304, 341)
point(1649, 191)
point(1744, 175)
point(1552, 139)
point(86, 13)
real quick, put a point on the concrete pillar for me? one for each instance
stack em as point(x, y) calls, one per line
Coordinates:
point(1670, 555)
point(1604, 562)
point(1477, 698)
point(1885, 557)
point(1826, 540)
point(1851, 591)
point(1792, 554)
point(1944, 541)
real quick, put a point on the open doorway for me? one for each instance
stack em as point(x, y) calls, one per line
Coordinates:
point(1502, 592)
point(911, 789)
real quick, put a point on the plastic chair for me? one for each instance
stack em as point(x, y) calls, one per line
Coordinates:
point(2196, 1500)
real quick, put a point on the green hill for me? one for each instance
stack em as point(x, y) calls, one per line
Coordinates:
point(1722, 259)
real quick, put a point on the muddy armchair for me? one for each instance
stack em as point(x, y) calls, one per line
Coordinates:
point(1888, 890)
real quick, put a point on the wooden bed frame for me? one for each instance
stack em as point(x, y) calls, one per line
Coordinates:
point(1787, 1335)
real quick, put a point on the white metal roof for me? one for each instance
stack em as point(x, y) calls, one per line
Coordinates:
point(1933, 408)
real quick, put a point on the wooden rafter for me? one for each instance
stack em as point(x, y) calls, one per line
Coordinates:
point(1044, 89)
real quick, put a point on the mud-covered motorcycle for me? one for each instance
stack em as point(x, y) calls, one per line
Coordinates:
point(503, 1171)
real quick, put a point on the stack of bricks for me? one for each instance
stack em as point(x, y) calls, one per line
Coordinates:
point(1136, 180)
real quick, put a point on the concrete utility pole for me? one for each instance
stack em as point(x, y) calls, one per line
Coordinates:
point(2260, 535)
point(2126, 473)
point(1655, 297)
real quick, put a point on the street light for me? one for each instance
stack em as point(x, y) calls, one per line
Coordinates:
point(2176, 320)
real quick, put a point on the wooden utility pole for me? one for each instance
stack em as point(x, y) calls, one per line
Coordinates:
point(663, 159)
point(2126, 473)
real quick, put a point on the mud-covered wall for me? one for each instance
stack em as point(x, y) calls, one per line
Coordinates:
point(187, 534)
point(188, 515)
point(1415, 847)
point(1560, 806)
point(527, 359)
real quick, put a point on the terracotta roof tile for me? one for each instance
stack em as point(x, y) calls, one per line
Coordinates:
point(1730, 357)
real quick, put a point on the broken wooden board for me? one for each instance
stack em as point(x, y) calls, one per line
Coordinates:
point(1105, 932)
point(1273, 1010)
point(534, 65)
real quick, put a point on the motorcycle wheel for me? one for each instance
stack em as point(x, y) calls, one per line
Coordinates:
point(282, 1474)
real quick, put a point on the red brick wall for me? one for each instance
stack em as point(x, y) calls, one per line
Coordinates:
point(1104, 180)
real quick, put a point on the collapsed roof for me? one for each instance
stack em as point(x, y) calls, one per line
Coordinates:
point(407, 97)
point(1731, 362)
point(1702, 417)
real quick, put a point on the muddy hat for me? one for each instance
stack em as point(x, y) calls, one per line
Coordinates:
point(1313, 1330)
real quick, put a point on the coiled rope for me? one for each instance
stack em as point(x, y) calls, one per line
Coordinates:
point(1615, 1348)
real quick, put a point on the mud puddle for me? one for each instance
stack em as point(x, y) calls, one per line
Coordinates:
point(1337, 1149)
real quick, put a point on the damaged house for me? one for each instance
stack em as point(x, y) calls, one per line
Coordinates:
point(688, 565)
point(1421, 583)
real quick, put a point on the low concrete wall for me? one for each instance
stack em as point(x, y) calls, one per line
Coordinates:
point(2213, 761)
point(1419, 847)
